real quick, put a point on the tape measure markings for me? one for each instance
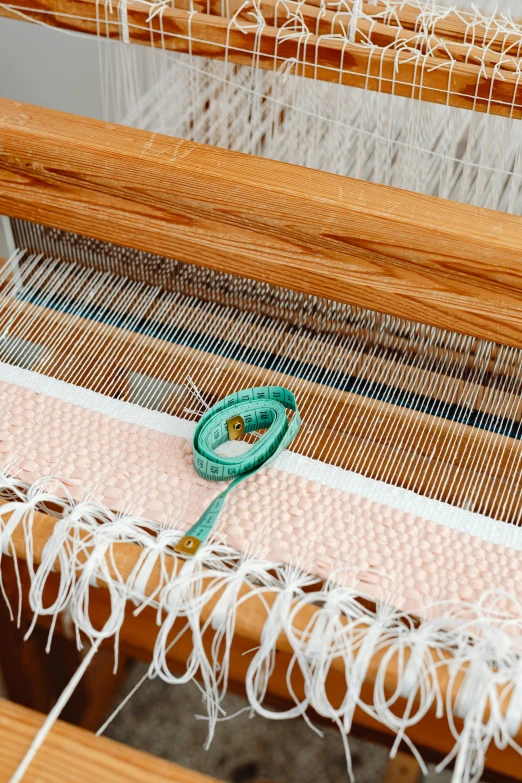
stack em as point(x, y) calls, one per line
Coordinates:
point(259, 408)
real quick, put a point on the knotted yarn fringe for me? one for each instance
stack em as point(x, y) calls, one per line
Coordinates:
point(477, 645)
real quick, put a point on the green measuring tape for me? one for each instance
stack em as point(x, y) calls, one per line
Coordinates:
point(260, 408)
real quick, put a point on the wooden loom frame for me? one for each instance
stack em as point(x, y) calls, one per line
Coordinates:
point(418, 257)
point(452, 67)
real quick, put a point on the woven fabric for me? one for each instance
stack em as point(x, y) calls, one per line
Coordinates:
point(278, 515)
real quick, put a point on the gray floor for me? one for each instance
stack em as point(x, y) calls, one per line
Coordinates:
point(160, 719)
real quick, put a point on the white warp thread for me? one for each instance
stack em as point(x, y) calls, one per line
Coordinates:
point(479, 638)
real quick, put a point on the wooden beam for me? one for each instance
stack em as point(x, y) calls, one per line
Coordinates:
point(70, 753)
point(462, 84)
point(415, 256)
point(431, 735)
point(323, 22)
point(459, 25)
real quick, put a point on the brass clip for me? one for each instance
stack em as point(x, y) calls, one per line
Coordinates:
point(236, 427)
point(188, 545)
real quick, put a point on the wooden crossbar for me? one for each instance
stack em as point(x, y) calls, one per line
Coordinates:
point(451, 42)
point(456, 25)
point(423, 258)
point(452, 73)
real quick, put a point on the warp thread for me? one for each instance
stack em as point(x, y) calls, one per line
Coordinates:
point(467, 638)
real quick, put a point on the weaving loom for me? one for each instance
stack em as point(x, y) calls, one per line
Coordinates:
point(374, 566)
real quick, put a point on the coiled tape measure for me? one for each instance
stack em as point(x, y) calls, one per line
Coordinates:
point(250, 410)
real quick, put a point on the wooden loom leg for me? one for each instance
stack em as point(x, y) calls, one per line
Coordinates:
point(34, 678)
point(22, 664)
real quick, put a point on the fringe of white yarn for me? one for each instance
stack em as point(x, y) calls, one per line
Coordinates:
point(480, 638)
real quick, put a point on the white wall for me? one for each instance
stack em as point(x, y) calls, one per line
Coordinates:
point(48, 68)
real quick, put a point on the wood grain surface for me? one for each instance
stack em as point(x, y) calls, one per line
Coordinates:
point(462, 83)
point(74, 755)
point(419, 257)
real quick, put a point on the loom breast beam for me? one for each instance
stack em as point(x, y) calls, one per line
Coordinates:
point(389, 64)
point(426, 259)
point(138, 635)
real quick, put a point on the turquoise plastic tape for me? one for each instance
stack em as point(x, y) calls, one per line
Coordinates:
point(260, 408)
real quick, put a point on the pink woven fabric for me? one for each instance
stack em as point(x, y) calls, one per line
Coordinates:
point(276, 514)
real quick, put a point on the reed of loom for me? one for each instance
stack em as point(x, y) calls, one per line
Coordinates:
point(448, 264)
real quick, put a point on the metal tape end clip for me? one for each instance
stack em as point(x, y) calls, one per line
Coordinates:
point(188, 545)
point(236, 427)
